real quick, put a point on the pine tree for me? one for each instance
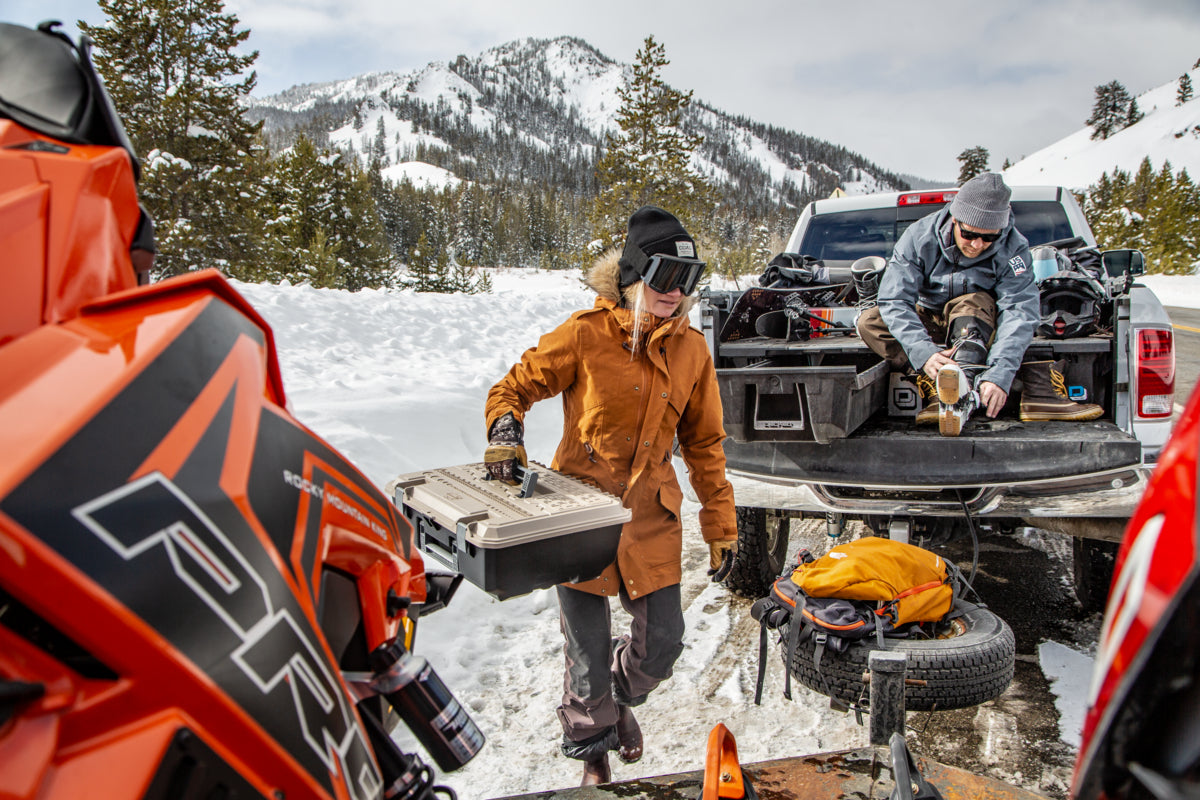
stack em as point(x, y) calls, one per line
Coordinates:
point(323, 203)
point(1151, 211)
point(1171, 245)
point(1111, 110)
point(472, 238)
point(1133, 116)
point(176, 80)
point(379, 145)
point(1185, 89)
point(1106, 206)
point(648, 161)
point(423, 275)
point(974, 161)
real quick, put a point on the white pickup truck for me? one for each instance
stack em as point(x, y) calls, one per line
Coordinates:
point(816, 427)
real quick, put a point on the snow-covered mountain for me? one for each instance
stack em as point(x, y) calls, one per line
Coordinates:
point(538, 110)
point(1167, 132)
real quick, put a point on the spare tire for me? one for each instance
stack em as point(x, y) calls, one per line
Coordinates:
point(761, 551)
point(970, 664)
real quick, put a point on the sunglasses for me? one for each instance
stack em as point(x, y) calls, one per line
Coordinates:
point(971, 236)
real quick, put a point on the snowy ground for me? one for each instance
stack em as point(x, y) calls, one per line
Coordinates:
point(397, 381)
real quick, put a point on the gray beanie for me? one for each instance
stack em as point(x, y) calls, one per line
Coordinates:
point(982, 202)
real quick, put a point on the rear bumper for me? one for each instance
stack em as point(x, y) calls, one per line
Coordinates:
point(890, 454)
point(1111, 494)
point(997, 468)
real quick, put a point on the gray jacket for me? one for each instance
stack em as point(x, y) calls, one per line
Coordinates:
point(928, 269)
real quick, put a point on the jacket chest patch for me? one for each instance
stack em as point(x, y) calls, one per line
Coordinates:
point(1018, 265)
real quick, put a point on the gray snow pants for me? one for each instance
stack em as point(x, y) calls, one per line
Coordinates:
point(603, 671)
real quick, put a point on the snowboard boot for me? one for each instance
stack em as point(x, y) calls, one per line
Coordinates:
point(957, 400)
point(866, 273)
point(969, 337)
point(928, 415)
point(1044, 396)
point(596, 771)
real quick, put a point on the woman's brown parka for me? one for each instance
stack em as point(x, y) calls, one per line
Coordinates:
point(622, 410)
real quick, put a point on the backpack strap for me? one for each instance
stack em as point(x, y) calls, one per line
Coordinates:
point(793, 643)
point(762, 663)
point(771, 611)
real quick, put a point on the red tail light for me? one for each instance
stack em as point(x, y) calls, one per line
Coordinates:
point(924, 198)
point(1155, 373)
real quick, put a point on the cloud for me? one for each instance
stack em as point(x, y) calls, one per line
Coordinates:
point(909, 85)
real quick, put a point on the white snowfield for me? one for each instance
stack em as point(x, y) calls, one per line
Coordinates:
point(397, 382)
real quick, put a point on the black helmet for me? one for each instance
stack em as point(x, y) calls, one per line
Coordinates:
point(1072, 302)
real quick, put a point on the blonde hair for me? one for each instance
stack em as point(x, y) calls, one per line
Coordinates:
point(635, 300)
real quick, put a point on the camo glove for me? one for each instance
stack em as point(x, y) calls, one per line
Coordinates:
point(506, 447)
point(720, 558)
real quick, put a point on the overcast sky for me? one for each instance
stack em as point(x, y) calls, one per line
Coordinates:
point(908, 85)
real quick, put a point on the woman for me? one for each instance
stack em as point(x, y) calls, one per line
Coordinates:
point(634, 376)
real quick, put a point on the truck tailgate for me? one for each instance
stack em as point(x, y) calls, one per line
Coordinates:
point(896, 453)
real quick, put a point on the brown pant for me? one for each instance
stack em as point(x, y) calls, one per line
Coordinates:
point(601, 670)
point(875, 333)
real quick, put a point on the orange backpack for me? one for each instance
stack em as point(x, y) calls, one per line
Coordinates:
point(868, 586)
point(905, 583)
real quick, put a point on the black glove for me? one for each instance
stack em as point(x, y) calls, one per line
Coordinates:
point(506, 447)
point(721, 554)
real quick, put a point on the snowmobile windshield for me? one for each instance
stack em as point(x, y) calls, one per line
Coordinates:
point(49, 85)
point(42, 85)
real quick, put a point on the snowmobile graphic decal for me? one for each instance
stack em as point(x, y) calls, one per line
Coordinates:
point(151, 519)
point(172, 498)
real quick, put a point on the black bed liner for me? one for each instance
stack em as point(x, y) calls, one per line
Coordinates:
point(887, 452)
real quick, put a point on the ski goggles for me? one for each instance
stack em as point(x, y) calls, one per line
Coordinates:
point(665, 274)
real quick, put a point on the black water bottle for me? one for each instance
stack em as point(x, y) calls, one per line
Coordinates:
point(427, 706)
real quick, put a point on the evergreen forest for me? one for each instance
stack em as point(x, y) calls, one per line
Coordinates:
point(263, 191)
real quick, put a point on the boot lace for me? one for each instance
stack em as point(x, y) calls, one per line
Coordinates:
point(926, 386)
point(1058, 382)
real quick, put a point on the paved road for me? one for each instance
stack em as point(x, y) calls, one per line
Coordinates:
point(1186, 322)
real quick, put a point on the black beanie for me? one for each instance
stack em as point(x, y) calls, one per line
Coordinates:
point(653, 231)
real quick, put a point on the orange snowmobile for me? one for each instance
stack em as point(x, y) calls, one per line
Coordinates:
point(198, 596)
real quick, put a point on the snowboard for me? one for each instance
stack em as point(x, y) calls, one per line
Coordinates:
point(758, 301)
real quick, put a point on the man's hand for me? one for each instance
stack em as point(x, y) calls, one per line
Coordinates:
point(936, 362)
point(720, 558)
point(992, 397)
point(506, 447)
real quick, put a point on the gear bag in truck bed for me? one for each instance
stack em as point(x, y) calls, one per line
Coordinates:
point(870, 586)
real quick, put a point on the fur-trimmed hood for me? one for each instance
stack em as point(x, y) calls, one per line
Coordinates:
point(604, 278)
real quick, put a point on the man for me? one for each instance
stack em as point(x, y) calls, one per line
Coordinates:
point(958, 305)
